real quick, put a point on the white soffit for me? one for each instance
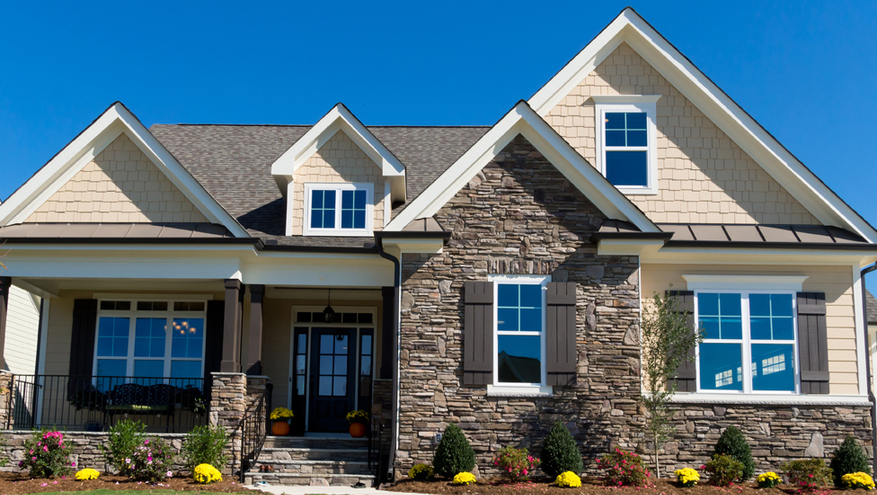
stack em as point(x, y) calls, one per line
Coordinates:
point(523, 120)
point(116, 120)
point(339, 119)
point(777, 161)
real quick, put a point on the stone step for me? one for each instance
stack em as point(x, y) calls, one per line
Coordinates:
point(290, 454)
point(316, 442)
point(320, 467)
point(299, 479)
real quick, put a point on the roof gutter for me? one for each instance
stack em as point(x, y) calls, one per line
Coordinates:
point(868, 378)
point(397, 298)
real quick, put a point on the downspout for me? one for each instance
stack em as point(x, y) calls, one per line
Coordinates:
point(871, 397)
point(397, 297)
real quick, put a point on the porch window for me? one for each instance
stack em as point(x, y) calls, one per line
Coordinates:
point(338, 209)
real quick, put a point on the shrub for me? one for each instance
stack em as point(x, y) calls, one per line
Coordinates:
point(568, 479)
point(453, 454)
point(687, 477)
point(87, 474)
point(623, 469)
point(849, 458)
point(205, 445)
point(858, 480)
point(732, 443)
point(125, 437)
point(515, 463)
point(205, 474)
point(768, 480)
point(724, 470)
point(464, 479)
point(560, 452)
point(151, 461)
point(808, 474)
point(420, 472)
point(46, 456)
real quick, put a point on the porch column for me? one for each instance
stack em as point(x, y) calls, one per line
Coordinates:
point(231, 331)
point(5, 284)
point(254, 361)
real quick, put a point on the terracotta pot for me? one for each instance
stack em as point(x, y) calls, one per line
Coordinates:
point(357, 430)
point(280, 428)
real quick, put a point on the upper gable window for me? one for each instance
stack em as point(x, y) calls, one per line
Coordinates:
point(338, 209)
point(626, 142)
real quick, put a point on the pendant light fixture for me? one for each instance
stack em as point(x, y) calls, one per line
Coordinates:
point(328, 313)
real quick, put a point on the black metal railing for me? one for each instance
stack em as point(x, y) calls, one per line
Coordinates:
point(376, 450)
point(94, 403)
point(255, 426)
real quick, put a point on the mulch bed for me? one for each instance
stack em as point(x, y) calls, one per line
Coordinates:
point(590, 486)
point(15, 483)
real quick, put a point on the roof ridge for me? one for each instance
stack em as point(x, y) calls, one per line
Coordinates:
point(395, 126)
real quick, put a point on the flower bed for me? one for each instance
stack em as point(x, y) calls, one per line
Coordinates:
point(19, 483)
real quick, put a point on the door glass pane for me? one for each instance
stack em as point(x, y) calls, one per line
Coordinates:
point(302, 343)
point(300, 385)
point(340, 388)
point(773, 367)
point(326, 344)
point(366, 344)
point(325, 386)
point(721, 367)
point(300, 364)
point(341, 345)
point(366, 366)
point(326, 365)
point(341, 365)
point(519, 358)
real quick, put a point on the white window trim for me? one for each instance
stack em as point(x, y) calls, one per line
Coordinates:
point(630, 103)
point(132, 314)
point(746, 341)
point(502, 388)
point(338, 231)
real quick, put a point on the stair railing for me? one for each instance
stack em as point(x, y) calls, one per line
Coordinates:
point(376, 450)
point(255, 429)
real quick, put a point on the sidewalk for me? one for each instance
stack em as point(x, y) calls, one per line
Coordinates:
point(327, 490)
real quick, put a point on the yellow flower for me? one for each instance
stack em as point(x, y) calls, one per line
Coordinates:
point(420, 472)
point(464, 479)
point(858, 480)
point(568, 479)
point(87, 474)
point(281, 413)
point(687, 477)
point(358, 416)
point(768, 480)
point(205, 473)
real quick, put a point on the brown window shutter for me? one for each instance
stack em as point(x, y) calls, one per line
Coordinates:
point(213, 330)
point(686, 374)
point(478, 334)
point(82, 344)
point(813, 342)
point(560, 334)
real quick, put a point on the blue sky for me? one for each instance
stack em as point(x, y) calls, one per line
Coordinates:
point(806, 71)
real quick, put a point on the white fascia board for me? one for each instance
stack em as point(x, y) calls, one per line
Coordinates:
point(736, 256)
point(778, 162)
point(417, 246)
point(94, 139)
point(523, 120)
point(744, 282)
point(339, 118)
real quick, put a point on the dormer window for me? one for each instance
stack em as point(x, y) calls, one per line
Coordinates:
point(338, 209)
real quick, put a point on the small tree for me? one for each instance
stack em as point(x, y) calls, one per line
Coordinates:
point(849, 458)
point(453, 454)
point(560, 452)
point(665, 340)
point(733, 444)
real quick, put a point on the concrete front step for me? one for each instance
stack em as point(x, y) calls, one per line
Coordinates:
point(308, 479)
point(292, 454)
point(320, 467)
point(348, 443)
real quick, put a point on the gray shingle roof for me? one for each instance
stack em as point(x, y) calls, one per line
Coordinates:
point(233, 162)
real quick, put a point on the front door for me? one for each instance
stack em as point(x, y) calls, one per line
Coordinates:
point(332, 392)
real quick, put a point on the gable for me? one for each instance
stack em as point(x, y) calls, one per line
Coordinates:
point(119, 185)
point(338, 160)
point(703, 175)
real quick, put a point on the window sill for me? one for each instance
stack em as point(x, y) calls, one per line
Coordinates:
point(640, 191)
point(771, 399)
point(512, 391)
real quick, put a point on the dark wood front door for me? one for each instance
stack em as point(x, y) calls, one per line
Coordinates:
point(332, 389)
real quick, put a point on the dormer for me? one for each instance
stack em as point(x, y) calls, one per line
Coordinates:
point(338, 179)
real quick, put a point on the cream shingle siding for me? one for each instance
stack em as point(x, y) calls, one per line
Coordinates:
point(22, 329)
point(120, 185)
point(338, 160)
point(704, 177)
point(837, 284)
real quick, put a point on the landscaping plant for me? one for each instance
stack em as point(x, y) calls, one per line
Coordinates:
point(849, 458)
point(768, 480)
point(464, 479)
point(665, 340)
point(516, 464)
point(87, 474)
point(46, 455)
point(453, 454)
point(420, 472)
point(724, 470)
point(858, 480)
point(623, 469)
point(568, 479)
point(205, 445)
point(560, 452)
point(206, 474)
point(151, 461)
point(125, 437)
point(687, 477)
point(732, 443)
point(808, 474)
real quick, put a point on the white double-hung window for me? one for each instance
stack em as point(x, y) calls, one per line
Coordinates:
point(520, 330)
point(627, 142)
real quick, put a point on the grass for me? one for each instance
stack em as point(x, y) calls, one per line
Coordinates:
point(130, 492)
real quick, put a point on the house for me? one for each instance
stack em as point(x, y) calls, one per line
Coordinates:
point(492, 277)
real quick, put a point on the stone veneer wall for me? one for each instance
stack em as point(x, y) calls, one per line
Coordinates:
point(519, 215)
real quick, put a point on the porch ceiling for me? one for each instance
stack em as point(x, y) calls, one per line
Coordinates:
point(53, 286)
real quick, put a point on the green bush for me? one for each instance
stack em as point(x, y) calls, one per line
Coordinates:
point(724, 470)
point(125, 437)
point(560, 452)
point(205, 445)
point(808, 474)
point(732, 443)
point(454, 454)
point(849, 458)
point(45, 455)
